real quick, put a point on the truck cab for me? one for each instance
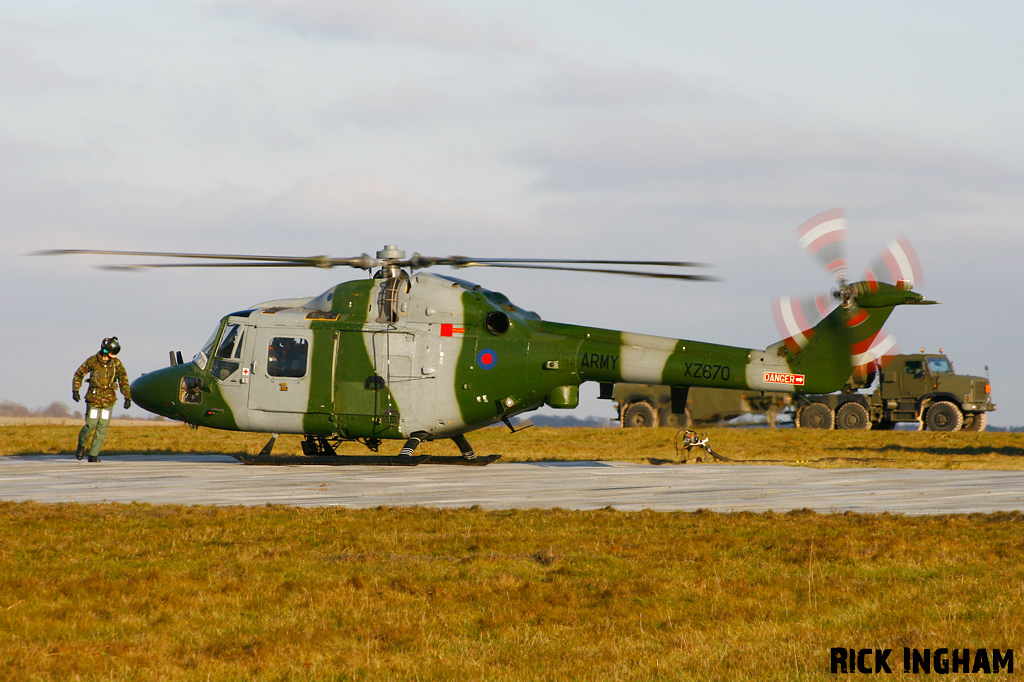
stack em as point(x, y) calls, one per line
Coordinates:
point(925, 387)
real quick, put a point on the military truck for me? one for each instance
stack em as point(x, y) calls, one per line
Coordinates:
point(649, 405)
point(919, 388)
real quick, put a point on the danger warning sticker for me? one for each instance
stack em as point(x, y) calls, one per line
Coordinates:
point(780, 378)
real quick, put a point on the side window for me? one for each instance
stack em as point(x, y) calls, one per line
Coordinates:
point(287, 356)
point(191, 391)
point(915, 368)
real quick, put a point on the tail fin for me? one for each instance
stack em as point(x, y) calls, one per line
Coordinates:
point(850, 340)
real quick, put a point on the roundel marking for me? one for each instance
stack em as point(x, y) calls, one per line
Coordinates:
point(486, 359)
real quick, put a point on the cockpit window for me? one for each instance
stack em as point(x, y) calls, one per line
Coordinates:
point(230, 347)
point(939, 365)
point(286, 357)
point(203, 356)
point(227, 341)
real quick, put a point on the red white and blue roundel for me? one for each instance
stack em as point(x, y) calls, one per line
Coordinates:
point(486, 359)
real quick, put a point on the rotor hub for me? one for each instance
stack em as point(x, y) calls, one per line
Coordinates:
point(845, 295)
point(390, 252)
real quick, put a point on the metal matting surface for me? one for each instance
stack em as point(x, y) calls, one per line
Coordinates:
point(221, 480)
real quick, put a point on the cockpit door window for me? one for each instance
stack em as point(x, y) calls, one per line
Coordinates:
point(287, 357)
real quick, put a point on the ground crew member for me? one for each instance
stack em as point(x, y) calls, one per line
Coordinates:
point(106, 373)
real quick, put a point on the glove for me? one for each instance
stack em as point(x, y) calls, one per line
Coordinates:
point(74, 394)
point(127, 403)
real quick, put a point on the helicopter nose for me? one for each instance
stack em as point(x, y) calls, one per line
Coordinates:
point(157, 391)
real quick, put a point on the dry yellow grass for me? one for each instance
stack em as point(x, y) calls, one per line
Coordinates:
point(962, 450)
point(114, 592)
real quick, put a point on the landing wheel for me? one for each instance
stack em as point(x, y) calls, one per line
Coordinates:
point(640, 415)
point(943, 416)
point(852, 416)
point(815, 416)
point(976, 421)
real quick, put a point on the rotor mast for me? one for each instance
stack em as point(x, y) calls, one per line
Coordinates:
point(391, 260)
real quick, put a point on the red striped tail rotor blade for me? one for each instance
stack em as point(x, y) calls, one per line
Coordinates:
point(824, 237)
point(795, 318)
point(898, 263)
point(873, 353)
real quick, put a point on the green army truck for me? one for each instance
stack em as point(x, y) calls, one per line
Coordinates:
point(919, 388)
point(649, 405)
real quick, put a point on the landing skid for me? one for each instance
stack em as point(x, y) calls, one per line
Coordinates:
point(318, 450)
point(368, 460)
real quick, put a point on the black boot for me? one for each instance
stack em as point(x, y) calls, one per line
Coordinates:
point(79, 452)
point(93, 458)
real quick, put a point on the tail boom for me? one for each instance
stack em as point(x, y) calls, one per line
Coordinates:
point(822, 365)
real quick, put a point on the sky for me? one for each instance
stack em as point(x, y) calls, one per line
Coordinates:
point(561, 129)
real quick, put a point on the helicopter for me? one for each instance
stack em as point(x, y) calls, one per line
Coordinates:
point(406, 354)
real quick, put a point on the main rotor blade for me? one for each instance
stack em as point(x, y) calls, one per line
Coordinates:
point(364, 261)
point(151, 266)
point(606, 271)
point(418, 261)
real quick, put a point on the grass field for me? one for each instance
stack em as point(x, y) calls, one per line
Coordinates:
point(141, 592)
point(962, 450)
point(173, 593)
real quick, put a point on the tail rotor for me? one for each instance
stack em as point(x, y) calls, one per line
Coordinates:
point(897, 268)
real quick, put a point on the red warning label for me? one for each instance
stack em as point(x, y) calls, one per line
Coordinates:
point(779, 378)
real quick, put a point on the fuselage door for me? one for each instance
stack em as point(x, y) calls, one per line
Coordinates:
point(279, 378)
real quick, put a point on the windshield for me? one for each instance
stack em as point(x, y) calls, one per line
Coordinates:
point(939, 366)
point(203, 356)
point(227, 343)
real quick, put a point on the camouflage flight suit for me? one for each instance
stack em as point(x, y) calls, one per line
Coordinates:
point(104, 379)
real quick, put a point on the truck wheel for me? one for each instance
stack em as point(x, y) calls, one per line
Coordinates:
point(815, 416)
point(641, 414)
point(975, 421)
point(943, 416)
point(852, 416)
point(666, 417)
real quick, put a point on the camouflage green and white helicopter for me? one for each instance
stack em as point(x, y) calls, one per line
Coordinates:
point(412, 355)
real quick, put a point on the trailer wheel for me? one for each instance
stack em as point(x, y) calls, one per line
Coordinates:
point(815, 416)
point(975, 421)
point(943, 416)
point(852, 416)
point(640, 414)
